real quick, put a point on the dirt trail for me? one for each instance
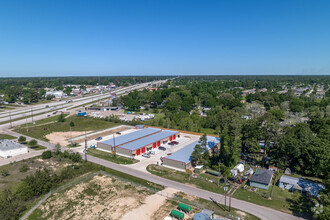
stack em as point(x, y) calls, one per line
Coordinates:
point(151, 205)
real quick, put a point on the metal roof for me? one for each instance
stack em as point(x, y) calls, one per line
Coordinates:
point(184, 155)
point(131, 136)
point(148, 140)
point(289, 180)
point(6, 145)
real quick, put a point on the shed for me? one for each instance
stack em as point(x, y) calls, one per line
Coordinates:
point(288, 182)
point(261, 178)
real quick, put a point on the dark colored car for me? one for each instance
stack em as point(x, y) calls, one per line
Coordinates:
point(162, 148)
point(118, 133)
point(170, 143)
point(175, 142)
point(98, 138)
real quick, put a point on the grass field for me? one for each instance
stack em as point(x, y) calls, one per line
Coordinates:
point(45, 120)
point(110, 157)
point(38, 147)
point(204, 181)
point(80, 124)
point(6, 136)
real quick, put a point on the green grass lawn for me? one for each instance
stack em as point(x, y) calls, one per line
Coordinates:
point(202, 182)
point(45, 120)
point(208, 131)
point(6, 136)
point(80, 124)
point(110, 157)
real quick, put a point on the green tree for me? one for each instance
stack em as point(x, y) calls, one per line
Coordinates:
point(46, 154)
point(33, 143)
point(197, 154)
point(22, 139)
point(61, 118)
point(71, 124)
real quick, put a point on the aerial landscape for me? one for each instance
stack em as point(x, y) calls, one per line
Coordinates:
point(164, 110)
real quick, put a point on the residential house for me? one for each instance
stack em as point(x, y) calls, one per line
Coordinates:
point(261, 178)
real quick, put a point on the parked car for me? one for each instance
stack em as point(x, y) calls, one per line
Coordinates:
point(118, 133)
point(175, 142)
point(48, 115)
point(146, 155)
point(55, 112)
point(47, 106)
point(98, 138)
point(169, 154)
point(152, 152)
point(170, 143)
point(162, 148)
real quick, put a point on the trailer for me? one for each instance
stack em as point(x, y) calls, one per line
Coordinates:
point(177, 214)
point(184, 207)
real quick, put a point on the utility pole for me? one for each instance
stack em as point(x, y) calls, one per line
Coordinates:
point(114, 143)
point(32, 114)
point(85, 148)
point(11, 124)
point(229, 202)
point(71, 136)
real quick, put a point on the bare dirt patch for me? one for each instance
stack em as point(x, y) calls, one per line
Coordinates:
point(100, 198)
point(62, 137)
point(151, 203)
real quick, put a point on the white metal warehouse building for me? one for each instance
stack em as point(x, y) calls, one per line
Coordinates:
point(10, 148)
point(181, 160)
point(138, 142)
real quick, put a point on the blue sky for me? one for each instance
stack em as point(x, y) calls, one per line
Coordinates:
point(77, 37)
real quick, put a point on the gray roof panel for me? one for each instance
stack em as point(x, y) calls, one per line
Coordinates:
point(184, 155)
point(131, 136)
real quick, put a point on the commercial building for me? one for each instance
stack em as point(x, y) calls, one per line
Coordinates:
point(181, 159)
point(142, 145)
point(261, 178)
point(56, 94)
point(10, 148)
point(121, 140)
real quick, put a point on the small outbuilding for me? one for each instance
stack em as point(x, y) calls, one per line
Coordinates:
point(9, 148)
point(261, 178)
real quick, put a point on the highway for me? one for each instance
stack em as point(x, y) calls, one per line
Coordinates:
point(59, 106)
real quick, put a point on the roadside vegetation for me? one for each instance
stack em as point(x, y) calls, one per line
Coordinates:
point(6, 136)
point(111, 157)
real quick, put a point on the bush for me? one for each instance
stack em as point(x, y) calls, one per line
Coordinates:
point(33, 143)
point(4, 173)
point(46, 154)
point(71, 124)
point(22, 139)
point(61, 118)
point(24, 168)
point(75, 157)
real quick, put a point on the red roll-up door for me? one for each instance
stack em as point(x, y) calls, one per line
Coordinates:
point(154, 145)
point(138, 152)
point(174, 137)
point(158, 143)
point(170, 138)
point(143, 150)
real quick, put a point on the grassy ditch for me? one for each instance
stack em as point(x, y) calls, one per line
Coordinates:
point(110, 157)
point(204, 181)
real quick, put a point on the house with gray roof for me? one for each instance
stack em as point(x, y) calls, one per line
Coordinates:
point(261, 178)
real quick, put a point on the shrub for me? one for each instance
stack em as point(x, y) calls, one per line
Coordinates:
point(33, 143)
point(61, 118)
point(4, 173)
point(22, 139)
point(46, 154)
point(71, 124)
point(75, 157)
point(24, 168)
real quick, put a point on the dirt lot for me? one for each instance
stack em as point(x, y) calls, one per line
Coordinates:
point(100, 198)
point(62, 137)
